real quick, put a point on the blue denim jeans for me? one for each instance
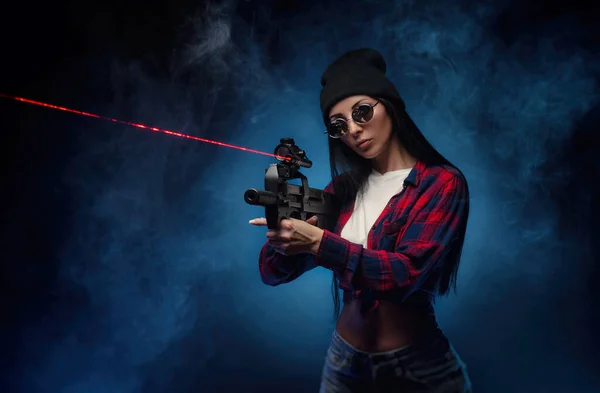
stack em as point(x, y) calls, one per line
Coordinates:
point(430, 365)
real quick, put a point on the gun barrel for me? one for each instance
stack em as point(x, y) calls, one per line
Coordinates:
point(252, 196)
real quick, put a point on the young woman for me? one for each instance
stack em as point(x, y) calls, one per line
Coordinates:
point(401, 223)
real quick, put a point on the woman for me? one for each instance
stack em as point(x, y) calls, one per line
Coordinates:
point(397, 243)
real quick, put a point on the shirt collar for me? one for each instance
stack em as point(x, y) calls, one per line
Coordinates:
point(415, 176)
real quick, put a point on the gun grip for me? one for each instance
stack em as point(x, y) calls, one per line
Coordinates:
point(272, 215)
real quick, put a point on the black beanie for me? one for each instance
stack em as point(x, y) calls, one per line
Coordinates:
point(358, 72)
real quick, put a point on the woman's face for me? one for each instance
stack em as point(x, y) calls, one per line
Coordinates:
point(371, 139)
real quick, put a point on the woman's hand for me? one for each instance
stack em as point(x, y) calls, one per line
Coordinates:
point(293, 236)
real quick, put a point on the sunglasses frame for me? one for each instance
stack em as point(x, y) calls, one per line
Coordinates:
point(351, 119)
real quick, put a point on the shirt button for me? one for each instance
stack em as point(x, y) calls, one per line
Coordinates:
point(373, 227)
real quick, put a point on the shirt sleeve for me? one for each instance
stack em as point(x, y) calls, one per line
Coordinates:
point(276, 269)
point(423, 246)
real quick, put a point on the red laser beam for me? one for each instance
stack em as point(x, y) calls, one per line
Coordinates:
point(142, 126)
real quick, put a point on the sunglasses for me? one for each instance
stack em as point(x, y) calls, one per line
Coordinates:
point(361, 114)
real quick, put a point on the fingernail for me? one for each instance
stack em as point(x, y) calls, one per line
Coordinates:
point(251, 222)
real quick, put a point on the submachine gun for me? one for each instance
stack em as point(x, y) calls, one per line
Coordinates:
point(282, 200)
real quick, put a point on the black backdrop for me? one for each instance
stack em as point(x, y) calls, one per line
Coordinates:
point(88, 56)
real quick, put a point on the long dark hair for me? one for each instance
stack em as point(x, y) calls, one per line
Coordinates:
point(352, 171)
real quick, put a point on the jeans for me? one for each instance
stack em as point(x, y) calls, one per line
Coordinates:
point(430, 365)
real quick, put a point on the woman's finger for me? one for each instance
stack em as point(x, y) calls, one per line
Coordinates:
point(271, 234)
point(258, 222)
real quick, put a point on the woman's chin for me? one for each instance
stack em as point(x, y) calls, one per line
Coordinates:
point(369, 155)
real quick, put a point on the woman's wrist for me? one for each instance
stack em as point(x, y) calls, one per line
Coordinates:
point(317, 243)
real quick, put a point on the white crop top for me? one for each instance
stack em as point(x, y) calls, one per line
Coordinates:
point(370, 202)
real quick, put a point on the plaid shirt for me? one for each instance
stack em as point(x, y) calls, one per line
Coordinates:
point(405, 248)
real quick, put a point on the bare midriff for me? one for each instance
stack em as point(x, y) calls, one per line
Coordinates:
point(389, 326)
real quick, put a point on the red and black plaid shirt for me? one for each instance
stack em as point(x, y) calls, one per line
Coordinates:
point(405, 248)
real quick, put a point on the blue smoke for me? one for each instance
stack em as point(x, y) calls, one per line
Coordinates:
point(165, 264)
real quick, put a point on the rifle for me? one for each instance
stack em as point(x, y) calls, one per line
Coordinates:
point(282, 200)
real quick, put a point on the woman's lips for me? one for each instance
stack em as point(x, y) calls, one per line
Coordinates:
point(364, 143)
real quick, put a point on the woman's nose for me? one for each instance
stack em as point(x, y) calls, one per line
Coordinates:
point(354, 128)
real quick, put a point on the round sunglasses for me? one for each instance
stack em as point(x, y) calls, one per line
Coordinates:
point(361, 114)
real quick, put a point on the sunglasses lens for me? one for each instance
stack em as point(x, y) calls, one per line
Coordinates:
point(362, 113)
point(337, 128)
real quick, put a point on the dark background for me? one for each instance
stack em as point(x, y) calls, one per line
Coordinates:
point(127, 261)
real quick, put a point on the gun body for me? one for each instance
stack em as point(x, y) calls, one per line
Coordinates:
point(283, 200)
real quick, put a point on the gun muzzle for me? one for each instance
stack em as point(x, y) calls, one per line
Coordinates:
point(252, 196)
